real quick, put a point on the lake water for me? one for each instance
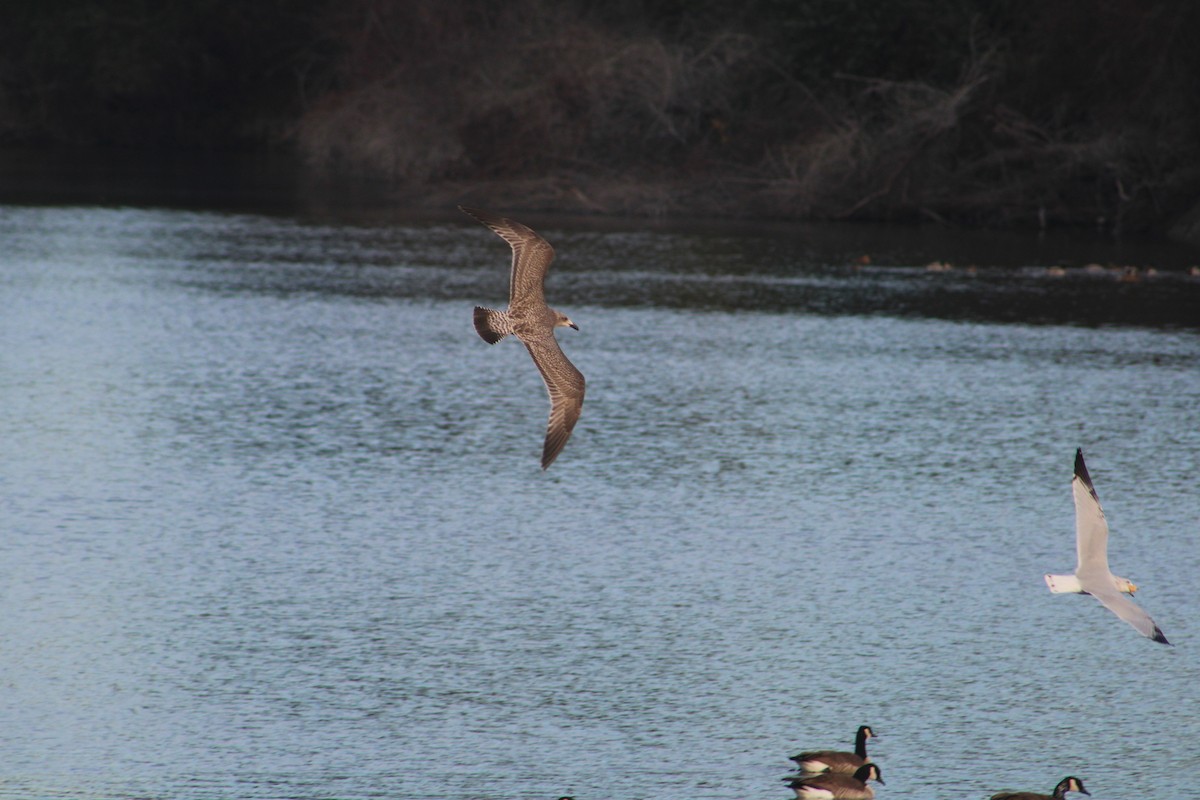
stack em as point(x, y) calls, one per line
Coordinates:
point(273, 524)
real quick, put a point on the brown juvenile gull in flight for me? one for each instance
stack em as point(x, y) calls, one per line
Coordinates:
point(533, 322)
point(1091, 546)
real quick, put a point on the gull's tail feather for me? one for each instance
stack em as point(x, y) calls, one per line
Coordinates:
point(492, 325)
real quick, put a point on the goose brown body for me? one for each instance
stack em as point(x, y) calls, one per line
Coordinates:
point(839, 761)
point(1067, 784)
point(834, 786)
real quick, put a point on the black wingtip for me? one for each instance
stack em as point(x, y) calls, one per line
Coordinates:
point(1158, 637)
point(1081, 470)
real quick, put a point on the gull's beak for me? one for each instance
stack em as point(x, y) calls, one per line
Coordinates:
point(1132, 588)
point(573, 325)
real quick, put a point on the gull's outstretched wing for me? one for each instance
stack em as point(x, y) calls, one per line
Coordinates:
point(565, 385)
point(1091, 528)
point(531, 257)
point(1129, 611)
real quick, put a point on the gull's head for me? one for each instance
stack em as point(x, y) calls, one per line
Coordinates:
point(1124, 585)
point(561, 320)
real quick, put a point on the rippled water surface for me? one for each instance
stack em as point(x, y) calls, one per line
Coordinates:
point(274, 527)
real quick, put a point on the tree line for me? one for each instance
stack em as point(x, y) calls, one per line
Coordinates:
point(993, 112)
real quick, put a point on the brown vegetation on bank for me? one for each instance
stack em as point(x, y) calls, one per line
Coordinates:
point(995, 112)
point(1022, 113)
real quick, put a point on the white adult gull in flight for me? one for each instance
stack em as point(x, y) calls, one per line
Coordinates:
point(533, 322)
point(1091, 574)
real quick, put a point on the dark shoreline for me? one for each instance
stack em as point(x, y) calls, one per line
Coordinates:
point(281, 183)
point(1015, 115)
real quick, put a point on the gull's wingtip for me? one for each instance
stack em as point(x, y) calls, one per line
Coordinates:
point(1081, 470)
point(555, 442)
point(1158, 637)
point(478, 214)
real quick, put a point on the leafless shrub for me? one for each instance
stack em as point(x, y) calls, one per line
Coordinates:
point(544, 102)
point(535, 87)
point(382, 129)
point(604, 101)
point(864, 157)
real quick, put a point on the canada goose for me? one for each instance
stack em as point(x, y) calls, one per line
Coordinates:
point(1092, 575)
point(831, 786)
point(533, 322)
point(1067, 784)
point(838, 761)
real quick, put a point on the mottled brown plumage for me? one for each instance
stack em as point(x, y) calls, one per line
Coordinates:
point(533, 322)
